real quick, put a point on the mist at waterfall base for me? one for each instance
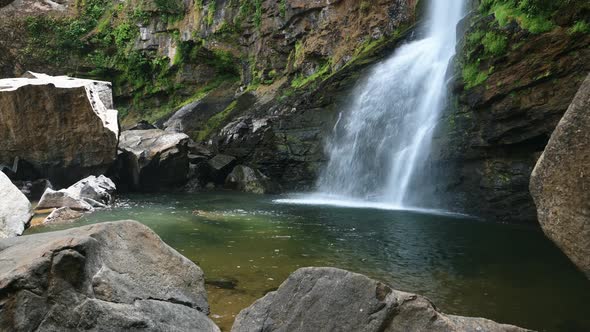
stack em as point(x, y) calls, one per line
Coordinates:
point(380, 145)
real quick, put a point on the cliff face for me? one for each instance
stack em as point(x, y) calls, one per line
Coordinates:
point(516, 73)
point(264, 80)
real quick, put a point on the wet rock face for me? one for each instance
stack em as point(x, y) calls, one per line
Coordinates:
point(15, 209)
point(560, 183)
point(65, 128)
point(246, 179)
point(151, 160)
point(493, 133)
point(107, 277)
point(329, 299)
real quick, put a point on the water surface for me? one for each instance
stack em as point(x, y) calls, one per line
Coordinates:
point(508, 273)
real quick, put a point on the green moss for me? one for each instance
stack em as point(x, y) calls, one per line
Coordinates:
point(283, 8)
point(211, 12)
point(215, 122)
point(301, 80)
point(472, 76)
point(580, 27)
point(494, 43)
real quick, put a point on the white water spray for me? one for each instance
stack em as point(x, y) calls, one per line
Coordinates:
point(382, 141)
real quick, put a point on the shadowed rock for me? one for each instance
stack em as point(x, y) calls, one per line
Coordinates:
point(153, 159)
point(560, 183)
point(329, 299)
point(106, 277)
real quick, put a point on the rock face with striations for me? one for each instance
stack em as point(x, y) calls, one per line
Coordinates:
point(153, 159)
point(65, 128)
point(329, 299)
point(560, 183)
point(15, 209)
point(106, 277)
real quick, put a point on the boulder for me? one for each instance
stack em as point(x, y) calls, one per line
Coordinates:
point(115, 276)
point(191, 118)
point(84, 195)
point(62, 198)
point(220, 166)
point(329, 299)
point(560, 182)
point(15, 209)
point(153, 159)
point(62, 215)
point(99, 189)
point(244, 178)
point(64, 127)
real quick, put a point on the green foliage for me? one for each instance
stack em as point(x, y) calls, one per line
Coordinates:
point(123, 33)
point(169, 6)
point(472, 76)
point(211, 12)
point(494, 43)
point(579, 27)
point(258, 13)
point(532, 15)
point(283, 8)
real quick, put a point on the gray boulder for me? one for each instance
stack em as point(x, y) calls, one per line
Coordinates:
point(65, 128)
point(153, 159)
point(115, 276)
point(560, 183)
point(99, 189)
point(244, 178)
point(15, 209)
point(329, 299)
point(84, 195)
point(62, 198)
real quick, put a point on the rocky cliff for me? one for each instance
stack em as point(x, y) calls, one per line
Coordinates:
point(518, 68)
point(264, 80)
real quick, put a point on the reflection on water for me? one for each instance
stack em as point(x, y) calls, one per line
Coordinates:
point(508, 273)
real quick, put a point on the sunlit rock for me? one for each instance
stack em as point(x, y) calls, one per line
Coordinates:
point(66, 128)
point(15, 209)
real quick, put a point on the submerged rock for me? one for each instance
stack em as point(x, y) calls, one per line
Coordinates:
point(153, 159)
point(64, 127)
point(560, 182)
point(244, 178)
point(329, 299)
point(62, 215)
point(15, 209)
point(115, 276)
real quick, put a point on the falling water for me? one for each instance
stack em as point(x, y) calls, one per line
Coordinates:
point(380, 143)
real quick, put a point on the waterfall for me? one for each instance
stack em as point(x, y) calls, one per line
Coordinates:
point(382, 140)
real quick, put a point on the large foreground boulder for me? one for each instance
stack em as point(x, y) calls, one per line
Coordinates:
point(65, 128)
point(153, 159)
point(329, 299)
point(106, 277)
point(560, 183)
point(15, 209)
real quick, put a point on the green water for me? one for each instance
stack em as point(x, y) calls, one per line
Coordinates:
point(507, 273)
